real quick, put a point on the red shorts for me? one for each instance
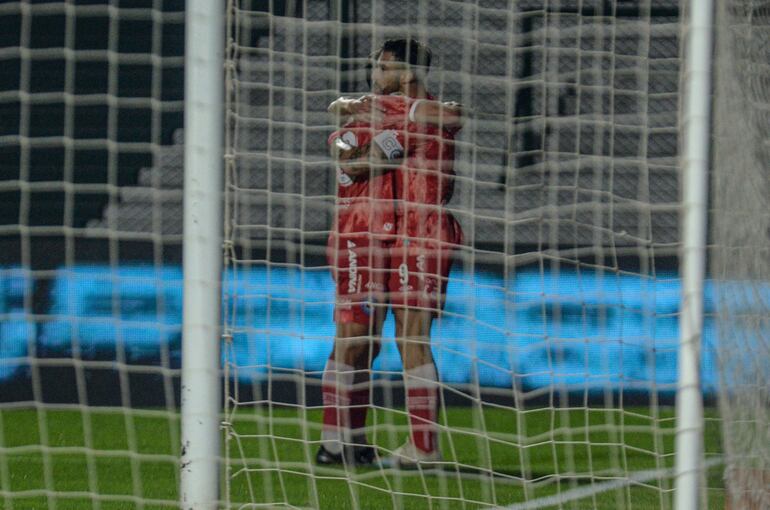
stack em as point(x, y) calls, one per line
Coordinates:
point(359, 264)
point(410, 272)
point(420, 264)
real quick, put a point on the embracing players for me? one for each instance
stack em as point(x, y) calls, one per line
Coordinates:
point(391, 245)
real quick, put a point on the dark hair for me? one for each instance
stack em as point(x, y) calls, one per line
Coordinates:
point(411, 51)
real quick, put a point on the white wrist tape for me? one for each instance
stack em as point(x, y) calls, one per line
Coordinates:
point(388, 142)
point(413, 109)
point(346, 141)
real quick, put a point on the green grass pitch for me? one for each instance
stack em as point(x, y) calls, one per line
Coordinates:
point(112, 459)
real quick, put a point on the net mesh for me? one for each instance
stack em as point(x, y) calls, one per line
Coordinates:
point(90, 283)
point(740, 239)
point(556, 350)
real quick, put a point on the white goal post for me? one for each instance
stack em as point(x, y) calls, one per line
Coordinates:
point(696, 123)
point(202, 252)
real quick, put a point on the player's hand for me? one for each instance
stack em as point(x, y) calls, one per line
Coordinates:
point(366, 109)
point(355, 110)
point(360, 105)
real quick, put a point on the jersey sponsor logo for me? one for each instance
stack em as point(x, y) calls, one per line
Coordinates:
point(352, 268)
point(374, 286)
point(343, 179)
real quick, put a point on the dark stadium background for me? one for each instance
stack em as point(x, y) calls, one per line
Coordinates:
point(56, 207)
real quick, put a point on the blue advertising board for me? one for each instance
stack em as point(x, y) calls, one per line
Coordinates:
point(571, 330)
point(17, 330)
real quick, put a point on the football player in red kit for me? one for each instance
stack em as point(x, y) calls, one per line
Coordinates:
point(358, 253)
point(403, 257)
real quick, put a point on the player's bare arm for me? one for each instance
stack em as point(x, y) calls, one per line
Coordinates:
point(448, 114)
point(352, 108)
point(445, 114)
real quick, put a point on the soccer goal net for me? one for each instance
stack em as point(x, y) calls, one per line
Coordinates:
point(91, 106)
point(740, 266)
point(557, 347)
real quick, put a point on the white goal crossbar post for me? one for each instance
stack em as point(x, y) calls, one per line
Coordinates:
point(201, 395)
point(695, 160)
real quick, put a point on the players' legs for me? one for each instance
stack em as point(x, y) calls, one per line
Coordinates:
point(359, 314)
point(413, 336)
point(418, 281)
point(420, 376)
point(346, 379)
point(358, 345)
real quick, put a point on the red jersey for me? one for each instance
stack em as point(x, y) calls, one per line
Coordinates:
point(363, 204)
point(427, 176)
point(425, 182)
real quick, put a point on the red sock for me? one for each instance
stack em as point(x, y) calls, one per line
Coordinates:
point(422, 405)
point(359, 407)
point(359, 399)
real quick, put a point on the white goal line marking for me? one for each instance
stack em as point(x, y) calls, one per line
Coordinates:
point(584, 492)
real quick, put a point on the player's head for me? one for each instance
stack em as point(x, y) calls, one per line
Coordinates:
point(397, 63)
